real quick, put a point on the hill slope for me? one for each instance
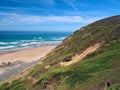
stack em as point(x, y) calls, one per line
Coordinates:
point(89, 59)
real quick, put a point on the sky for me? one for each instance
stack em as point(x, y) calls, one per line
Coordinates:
point(54, 15)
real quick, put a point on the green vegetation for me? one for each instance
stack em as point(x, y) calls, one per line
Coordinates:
point(114, 87)
point(15, 85)
point(92, 73)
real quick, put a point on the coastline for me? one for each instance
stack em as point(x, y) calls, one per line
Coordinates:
point(14, 62)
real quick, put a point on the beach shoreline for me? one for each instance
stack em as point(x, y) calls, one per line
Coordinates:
point(19, 60)
point(14, 55)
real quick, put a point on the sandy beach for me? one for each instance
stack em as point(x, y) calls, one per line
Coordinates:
point(21, 58)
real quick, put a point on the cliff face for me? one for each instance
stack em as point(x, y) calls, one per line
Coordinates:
point(89, 59)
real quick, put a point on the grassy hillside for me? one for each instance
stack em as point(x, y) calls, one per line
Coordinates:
point(99, 70)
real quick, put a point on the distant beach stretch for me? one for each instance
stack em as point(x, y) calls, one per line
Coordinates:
point(19, 50)
point(14, 62)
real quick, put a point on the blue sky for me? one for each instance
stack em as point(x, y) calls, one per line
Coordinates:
point(53, 15)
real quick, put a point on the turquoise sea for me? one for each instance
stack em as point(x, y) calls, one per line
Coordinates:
point(10, 40)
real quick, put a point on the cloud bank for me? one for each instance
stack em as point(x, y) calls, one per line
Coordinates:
point(12, 18)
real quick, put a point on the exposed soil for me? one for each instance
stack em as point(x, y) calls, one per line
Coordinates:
point(79, 57)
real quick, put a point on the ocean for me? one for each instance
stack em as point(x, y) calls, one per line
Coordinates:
point(10, 40)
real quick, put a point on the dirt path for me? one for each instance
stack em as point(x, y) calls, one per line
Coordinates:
point(79, 57)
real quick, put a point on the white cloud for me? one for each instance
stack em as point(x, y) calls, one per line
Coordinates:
point(71, 3)
point(13, 18)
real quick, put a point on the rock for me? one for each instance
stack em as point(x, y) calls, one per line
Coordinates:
point(3, 63)
point(9, 63)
